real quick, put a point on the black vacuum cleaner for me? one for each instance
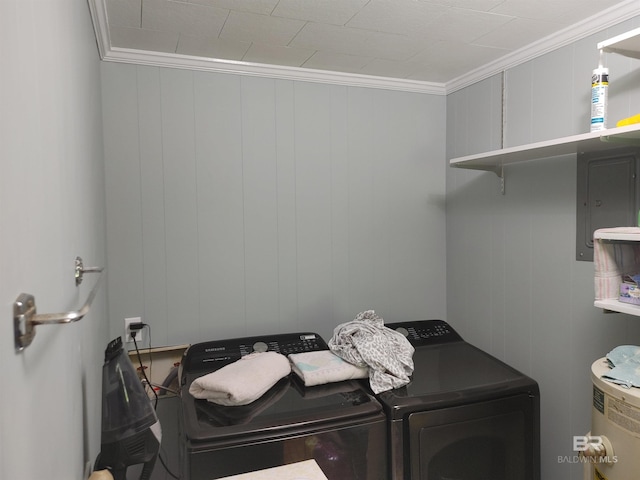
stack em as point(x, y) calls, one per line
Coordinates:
point(131, 431)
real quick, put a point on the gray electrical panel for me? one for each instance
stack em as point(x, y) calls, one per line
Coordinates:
point(607, 194)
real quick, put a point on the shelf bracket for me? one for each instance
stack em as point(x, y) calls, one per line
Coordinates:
point(499, 171)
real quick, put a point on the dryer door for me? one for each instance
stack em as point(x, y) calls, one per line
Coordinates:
point(493, 440)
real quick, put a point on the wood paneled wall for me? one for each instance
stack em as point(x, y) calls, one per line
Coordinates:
point(241, 206)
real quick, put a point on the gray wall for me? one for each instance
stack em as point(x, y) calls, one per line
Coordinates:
point(51, 209)
point(514, 287)
point(242, 206)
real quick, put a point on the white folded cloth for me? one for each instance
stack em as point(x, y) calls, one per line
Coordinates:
point(323, 366)
point(243, 381)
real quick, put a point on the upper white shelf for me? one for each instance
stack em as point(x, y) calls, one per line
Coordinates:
point(627, 44)
point(585, 142)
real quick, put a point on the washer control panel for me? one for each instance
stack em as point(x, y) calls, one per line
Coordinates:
point(210, 356)
point(285, 344)
point(426, 332)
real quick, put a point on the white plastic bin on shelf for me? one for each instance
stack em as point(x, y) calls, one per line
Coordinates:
point(616, 253)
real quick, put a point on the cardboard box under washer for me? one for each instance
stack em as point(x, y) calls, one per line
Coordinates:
point(160, 364)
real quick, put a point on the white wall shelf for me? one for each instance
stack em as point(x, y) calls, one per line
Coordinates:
point(586, 142)
point(627, 44)
point(611, 272)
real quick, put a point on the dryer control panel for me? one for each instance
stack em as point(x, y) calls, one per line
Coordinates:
point(426, 332)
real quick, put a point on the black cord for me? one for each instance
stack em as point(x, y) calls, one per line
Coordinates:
point(144, 374)
point(166, 389)
point(150, 356)
point(155, 407)
point(165, 465)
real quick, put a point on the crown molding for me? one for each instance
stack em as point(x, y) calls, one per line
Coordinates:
point(98, 11)
point(608, 18)
point(160, 59)
point(612, 16)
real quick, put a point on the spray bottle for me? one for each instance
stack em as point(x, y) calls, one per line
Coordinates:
point(599, 97)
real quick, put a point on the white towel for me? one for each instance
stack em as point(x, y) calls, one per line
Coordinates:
point(320, 367)
point(243, 381)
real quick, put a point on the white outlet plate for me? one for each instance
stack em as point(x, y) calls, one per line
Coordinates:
point(140, 336)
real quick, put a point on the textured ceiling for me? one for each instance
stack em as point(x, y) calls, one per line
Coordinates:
point(422, 40)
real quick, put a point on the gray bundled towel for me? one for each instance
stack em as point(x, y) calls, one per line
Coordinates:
point(366, 342)
point(625, 363)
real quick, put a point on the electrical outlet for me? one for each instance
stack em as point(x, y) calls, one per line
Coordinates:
point(127, 331)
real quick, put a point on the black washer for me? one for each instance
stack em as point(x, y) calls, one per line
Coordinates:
point(340, 425)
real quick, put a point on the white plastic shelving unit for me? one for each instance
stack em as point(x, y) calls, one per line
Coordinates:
point(627, 44)
point(622, 235)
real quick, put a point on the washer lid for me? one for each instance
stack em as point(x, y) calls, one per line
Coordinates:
point(287, 405)
point(455, 373)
